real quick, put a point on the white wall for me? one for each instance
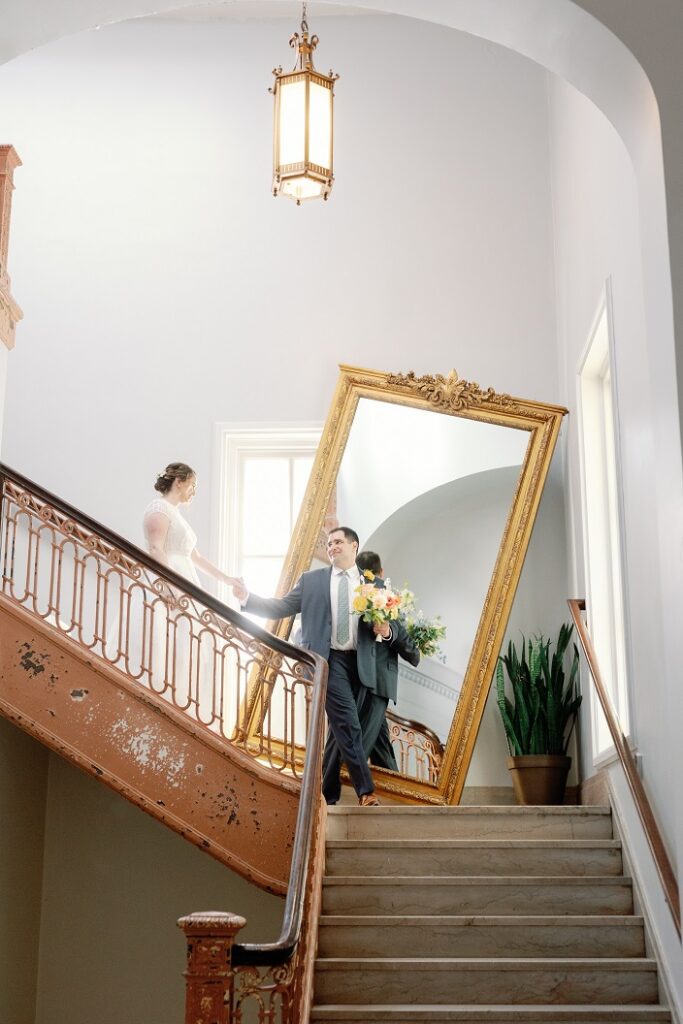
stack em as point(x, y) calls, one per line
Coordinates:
point(165, 289)
point(597, 227)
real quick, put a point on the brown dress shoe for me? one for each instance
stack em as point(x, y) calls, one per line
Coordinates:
point(368, 800)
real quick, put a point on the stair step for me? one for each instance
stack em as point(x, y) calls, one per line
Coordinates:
point(549, 1014)
point(414, 895)
point(456, 936)
point(350, 822)
point(459, 980)
point(473, 857)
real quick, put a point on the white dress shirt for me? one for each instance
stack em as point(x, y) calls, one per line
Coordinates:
point(354, 581)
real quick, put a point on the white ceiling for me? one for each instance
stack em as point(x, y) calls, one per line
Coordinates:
point(243, 10)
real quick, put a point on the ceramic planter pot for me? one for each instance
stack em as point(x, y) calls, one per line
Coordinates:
point(539, 778)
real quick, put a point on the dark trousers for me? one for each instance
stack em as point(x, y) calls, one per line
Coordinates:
point(345, 693)
point(382, 754)
point(376, 743)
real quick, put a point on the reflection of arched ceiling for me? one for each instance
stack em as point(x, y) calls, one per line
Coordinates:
point(403, 523)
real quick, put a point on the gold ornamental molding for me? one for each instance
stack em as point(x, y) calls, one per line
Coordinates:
point(442, 394)
point(451, 392)
point(10, 312)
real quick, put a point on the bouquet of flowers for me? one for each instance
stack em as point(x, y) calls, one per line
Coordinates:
point(425, 633)
point(377, 604)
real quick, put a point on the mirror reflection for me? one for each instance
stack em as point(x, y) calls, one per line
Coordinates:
point(430, 494)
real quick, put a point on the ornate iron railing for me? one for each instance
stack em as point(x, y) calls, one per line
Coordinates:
point(158, 628)
point(418, 750)
point(643, 805)
point(214, 665)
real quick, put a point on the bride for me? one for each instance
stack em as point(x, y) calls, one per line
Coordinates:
point(184, 654)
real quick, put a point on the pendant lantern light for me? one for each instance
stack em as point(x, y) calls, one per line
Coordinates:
point(304, 123)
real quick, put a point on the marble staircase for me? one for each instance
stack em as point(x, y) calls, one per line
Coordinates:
point(500, 914)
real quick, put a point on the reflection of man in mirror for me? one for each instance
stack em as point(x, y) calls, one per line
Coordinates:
point(330, 628)
point(381, 683)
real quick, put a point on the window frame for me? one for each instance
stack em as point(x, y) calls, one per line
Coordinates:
point(597, 371)
point(232, 442)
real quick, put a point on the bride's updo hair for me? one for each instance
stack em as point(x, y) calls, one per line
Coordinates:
point(174, 471)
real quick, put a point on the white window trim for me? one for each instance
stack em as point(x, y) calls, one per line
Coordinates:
point(606, 307)
point(231, 440)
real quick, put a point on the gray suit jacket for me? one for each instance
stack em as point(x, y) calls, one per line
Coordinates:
point(377, 663)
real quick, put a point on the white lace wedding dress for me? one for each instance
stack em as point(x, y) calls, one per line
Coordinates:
point(181, 540)
point(182, 655)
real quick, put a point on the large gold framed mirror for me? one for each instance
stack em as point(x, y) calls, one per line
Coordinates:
point(443, 479)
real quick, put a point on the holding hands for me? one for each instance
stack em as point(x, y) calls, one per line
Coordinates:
point(240, 590)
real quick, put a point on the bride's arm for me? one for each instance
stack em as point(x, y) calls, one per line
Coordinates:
point(210, 569)
point(156, 530)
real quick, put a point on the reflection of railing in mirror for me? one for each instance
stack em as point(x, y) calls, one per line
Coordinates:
point(157, 628)
point(418, 750)
point(428, 693)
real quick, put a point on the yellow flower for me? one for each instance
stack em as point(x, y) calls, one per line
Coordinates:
point(359, 604)
point(369, 575)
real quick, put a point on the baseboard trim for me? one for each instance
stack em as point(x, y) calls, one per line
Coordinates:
point(595, 790)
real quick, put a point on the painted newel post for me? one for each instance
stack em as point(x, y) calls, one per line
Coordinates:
point(10, 312)
point(209, 975)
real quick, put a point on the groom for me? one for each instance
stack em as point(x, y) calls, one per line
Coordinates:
point(330, 628)
point(381, 683)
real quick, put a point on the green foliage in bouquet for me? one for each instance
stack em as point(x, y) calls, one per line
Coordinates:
point(426, 634)
point(537, 721)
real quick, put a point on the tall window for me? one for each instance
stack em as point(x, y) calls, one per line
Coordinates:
point(263, 472)
point(601, 517)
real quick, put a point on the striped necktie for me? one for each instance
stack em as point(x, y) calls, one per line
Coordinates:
point(343, 625)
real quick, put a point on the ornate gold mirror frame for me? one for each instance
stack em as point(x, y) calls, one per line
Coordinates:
point(448, 396)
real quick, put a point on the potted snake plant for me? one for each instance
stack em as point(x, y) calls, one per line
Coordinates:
point(539, 724)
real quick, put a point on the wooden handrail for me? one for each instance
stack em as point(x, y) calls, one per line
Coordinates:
point(162, 571)
point(652, 832)
point(254, 953)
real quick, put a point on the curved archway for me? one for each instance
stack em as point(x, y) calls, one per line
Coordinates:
point(557, 34)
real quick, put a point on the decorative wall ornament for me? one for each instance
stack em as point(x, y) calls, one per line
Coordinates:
point(450, 396)
point(10, 312)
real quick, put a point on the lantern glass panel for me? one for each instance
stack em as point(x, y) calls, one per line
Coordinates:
point(302, 188)
point(320, 121)
point(292, 122)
